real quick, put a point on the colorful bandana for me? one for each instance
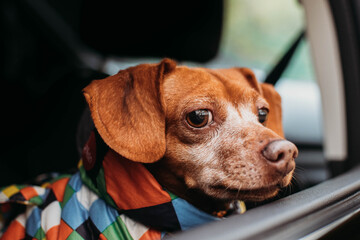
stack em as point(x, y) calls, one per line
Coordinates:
point(109, 197)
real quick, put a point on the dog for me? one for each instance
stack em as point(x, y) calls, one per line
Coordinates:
point(208, 137)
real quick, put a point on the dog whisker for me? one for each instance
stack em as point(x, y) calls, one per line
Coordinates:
point(237, 195)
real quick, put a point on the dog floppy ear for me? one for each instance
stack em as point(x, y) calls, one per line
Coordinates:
point(274, 121)
point(128, 110)
point(251, 79)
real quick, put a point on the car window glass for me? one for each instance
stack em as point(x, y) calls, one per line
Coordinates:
point(257, 33)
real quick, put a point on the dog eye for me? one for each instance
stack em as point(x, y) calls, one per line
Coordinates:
point(199, 118)
point(262, 114)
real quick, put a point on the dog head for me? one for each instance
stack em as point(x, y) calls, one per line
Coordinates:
point(217, 131)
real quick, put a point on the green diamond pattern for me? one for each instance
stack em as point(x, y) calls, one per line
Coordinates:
point(69, 191)
point(117, 230)
point(40, 234)
point(75, 236)
point(36, 200)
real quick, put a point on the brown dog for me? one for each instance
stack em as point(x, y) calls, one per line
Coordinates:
point(209, 136)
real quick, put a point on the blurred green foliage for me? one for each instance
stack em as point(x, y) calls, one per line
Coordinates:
point(257, 32)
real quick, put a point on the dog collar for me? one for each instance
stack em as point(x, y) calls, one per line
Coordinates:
point(236, 207)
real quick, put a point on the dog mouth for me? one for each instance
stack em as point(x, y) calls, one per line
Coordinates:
point(255, 194)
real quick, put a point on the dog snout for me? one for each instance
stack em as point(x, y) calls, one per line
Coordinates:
point(281, 155)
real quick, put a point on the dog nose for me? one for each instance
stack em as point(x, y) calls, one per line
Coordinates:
point(280, 154)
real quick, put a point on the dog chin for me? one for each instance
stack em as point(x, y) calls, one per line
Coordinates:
point(223, 192)
point(257, 194)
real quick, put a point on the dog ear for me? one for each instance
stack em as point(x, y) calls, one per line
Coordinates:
point(128, 110)
point(250, 77)
point(274, 121)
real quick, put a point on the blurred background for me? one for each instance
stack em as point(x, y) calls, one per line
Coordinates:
point(51, 49)
point(256, 34)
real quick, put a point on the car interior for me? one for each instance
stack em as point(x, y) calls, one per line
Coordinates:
point(308, 49)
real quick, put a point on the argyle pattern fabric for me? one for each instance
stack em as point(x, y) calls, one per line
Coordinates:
point(110, 197)
point(68, 209)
